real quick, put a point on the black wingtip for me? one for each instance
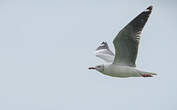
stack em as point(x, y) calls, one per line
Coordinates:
point(149, 8)
point(104, 42)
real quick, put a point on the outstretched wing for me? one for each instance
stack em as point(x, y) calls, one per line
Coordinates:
point(105, 53)
point(127, 41)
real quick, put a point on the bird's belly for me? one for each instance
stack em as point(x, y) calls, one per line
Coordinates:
point(122, 71)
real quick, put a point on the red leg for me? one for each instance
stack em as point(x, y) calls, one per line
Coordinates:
point(147, 75)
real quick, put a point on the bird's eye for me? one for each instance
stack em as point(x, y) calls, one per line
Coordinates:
point(99, 66)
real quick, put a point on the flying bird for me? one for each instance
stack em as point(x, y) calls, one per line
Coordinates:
point(122, 63)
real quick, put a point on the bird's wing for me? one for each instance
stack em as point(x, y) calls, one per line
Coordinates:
point(127, 40)
point(105, 53)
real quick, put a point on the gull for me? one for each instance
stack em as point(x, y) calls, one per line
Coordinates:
point(122, 63)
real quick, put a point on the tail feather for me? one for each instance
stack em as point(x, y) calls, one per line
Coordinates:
point(153, 73)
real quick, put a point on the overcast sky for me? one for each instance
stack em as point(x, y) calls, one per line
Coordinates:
point(46, 47)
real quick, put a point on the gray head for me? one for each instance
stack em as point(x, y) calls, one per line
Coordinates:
point(99, 68)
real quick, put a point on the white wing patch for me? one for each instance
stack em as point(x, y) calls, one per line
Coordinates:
point(138, 36)
point(105, 55)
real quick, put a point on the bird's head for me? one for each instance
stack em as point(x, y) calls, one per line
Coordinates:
point(99, 68)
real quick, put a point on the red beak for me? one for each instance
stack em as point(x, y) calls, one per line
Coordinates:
point(91, 68)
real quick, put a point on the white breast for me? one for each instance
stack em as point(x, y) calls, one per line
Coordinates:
point(121, 71)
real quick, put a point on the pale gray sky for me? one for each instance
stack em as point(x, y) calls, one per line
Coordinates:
point(46, 47)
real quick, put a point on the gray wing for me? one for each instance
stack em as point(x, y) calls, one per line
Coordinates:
point(127, 41)
point(104, 52)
